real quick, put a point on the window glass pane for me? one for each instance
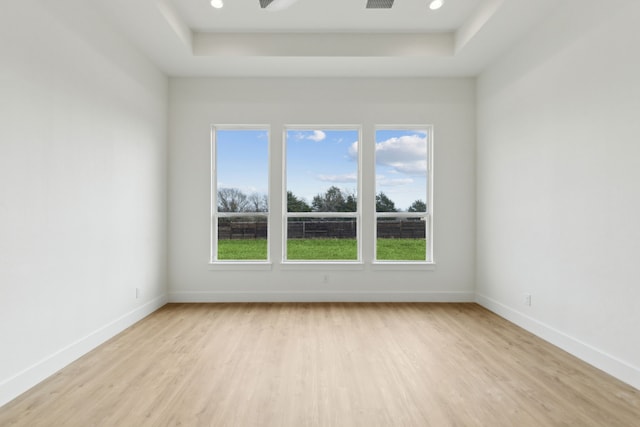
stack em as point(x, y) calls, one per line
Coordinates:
point(322, 170)
point(242, 238)
point(402, 185)
point(241, 170)
point(322, 177)
point(401, 239)
point(401, 170)
point(322, 239)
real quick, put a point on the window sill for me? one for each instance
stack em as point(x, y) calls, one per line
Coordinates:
point(322, 265)
point(403, 266)
point(241, 265)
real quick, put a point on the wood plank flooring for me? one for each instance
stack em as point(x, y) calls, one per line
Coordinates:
point(327, 364)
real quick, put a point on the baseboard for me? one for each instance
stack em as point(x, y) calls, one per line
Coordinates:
point(615, 367)
point(317, 296)
point(24, 380)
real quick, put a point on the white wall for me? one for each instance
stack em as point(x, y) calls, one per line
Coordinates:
point(559, 183)
point(448, 104)
point(82, 187)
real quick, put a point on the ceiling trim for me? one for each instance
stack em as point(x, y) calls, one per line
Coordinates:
point(177, 24)
point(324, 44)
point(485, 11)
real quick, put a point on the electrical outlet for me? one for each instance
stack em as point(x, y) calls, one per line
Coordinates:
point(527, 300)
point(137, 293)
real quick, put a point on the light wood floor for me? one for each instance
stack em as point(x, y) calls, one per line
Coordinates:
point(326, 365)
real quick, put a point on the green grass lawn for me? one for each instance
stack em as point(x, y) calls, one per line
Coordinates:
point(323, 249)
point(254, 250)
point(401, 249)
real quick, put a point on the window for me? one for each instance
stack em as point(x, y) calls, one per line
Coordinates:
point(403, 194)
point(240, 193)
point(322, 212)
point(322, 204)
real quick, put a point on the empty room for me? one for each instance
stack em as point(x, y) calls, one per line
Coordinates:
point(319, 213)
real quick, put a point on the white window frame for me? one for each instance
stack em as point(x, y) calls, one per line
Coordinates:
point(286, 214)
point(426, 216)
point(215, 215)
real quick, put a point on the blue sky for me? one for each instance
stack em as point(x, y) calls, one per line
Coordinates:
point(318, 159)
point(401, 165)
point(242, 160)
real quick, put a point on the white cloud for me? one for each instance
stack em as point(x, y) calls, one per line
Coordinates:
point(353, 151)
point(393, 182)
point(349, 177)
point(406, 154)
point(411, 168)
point(317, 136)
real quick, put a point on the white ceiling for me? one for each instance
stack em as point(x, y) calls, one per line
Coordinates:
point(324, 38)
point(324, 15)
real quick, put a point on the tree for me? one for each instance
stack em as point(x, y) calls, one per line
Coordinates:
point(232, 200)
point(257, 202)
point(418, 206)
point(384, 203)
point(331, 201)
point(350, 203)
point(335, 200)
point(295, 204)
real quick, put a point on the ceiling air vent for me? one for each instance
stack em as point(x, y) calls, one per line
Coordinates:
point(378, 4)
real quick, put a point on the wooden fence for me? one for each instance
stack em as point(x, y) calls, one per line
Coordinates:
point(321, 230)
point(387, 229)
point(399, 229)
point(242, 230)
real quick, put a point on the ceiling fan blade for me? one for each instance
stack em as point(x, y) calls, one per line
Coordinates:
point(379, 4)
point(275, 5)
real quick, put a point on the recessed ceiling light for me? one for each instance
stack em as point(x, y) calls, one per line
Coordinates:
point(436, 4)
point(217, 4)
